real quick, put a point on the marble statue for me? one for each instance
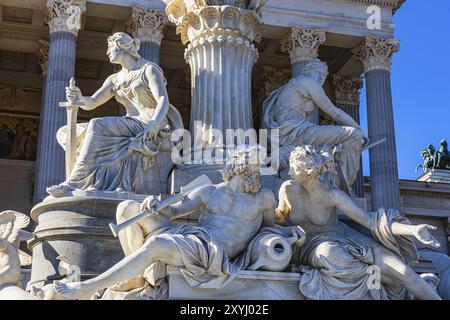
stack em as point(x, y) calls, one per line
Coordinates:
point(208, 254)
point(336, 261)
point(117, 153)
point(11, 223)
point(288, 109)
point(442, 263)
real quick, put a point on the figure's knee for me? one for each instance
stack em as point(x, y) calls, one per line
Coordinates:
point(394, 268)
point(331, 251)
point(161, 248)
point(96, 123)
point(126, 210)
point(356, 134)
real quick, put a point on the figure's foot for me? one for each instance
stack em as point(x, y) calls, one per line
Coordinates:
point(59, 190)
point(74, 290)
point(129, 285)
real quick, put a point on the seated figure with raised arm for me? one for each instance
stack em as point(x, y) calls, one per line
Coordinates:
point(290, 107)
point(336, 261)
point(118, 153)
point(231, 214)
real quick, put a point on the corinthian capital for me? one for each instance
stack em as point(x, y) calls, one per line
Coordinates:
point(147, 24)
point(376, 54)
point(274, 78)
point(303, 44)
point(347, 90)
point(65, 15)
point(43, 55)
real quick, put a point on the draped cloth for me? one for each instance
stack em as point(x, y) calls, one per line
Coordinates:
point(113, 154)
point(282, 112)
point(205, 263)
point(336, 265)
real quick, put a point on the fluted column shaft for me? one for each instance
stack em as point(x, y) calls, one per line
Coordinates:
point(147, 25)
point(150, 51)
point(303, 46)
point(376, 55)
point(221, 85)
point(43, 61)
point(358, 185)
point(347, 98)
point(383, 158)
point(61, 67)
point(221, 57)
point(63, 18)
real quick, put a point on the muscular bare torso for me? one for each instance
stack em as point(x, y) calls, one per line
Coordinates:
point(234, 217)
point(315, 213)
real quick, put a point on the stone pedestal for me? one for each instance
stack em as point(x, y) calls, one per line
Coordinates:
point(248, 285)
point(75, 227)
point(436, 175)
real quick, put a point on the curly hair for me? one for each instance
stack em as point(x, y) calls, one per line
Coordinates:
point(310, 161)
point(244, 161)
point(126, 42)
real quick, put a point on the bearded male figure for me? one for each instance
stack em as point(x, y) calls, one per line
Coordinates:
point(232, 213)
point(338, 261)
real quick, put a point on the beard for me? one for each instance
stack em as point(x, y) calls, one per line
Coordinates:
point(250, 183)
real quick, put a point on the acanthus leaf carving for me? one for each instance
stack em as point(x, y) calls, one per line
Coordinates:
point(347, 90)
point(147, 25)
point(65, 15)
point(303, 44)
point(376, 53)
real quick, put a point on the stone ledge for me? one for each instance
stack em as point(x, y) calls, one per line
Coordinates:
point(248, 285)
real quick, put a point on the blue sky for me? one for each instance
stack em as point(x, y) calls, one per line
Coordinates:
point(420, 82)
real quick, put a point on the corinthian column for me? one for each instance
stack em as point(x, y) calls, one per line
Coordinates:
point(42, 56)
point(221, 56)
point(376, 55)
point(347, 92)
point(147, 25)
point(64, 20)
point(303, 46)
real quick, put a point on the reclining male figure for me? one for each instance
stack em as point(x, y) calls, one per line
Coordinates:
point(232, 213)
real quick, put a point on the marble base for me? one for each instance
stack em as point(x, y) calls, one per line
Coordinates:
point(75, 227)
point(248, 285)
point(437, 176)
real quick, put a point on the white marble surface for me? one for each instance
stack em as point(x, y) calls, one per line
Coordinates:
point(248, 285)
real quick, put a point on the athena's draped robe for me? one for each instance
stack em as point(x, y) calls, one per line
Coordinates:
point(113, 155)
